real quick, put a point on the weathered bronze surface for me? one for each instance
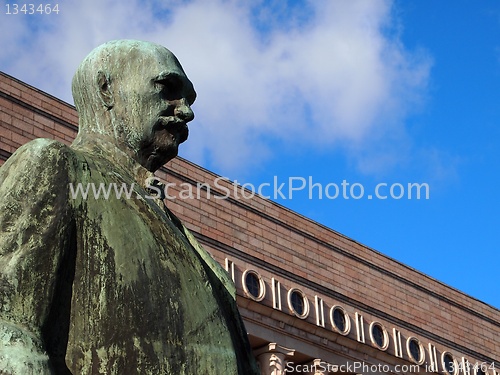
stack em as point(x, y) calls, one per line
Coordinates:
point(111, 286)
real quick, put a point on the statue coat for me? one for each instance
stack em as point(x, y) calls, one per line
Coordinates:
point(106, 286)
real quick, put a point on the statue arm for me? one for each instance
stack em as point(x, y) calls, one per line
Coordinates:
point(35, 246)
point(215, 267)
point(226, 292)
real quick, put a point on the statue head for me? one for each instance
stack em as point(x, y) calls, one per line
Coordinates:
point(136, 95)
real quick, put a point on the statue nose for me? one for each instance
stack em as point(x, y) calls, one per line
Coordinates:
point(184, 111)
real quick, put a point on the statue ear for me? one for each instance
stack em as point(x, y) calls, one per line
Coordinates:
point(104, 89)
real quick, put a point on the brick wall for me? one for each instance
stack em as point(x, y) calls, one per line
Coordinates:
point(27, 113)
point(283, 243)
point(322, 258)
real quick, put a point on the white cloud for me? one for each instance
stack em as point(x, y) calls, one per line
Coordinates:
point(332, 77)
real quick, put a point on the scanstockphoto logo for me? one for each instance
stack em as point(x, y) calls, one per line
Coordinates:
point(277, 189)
point(353, 368)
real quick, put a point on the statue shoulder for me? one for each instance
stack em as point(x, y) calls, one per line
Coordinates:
point(37, 165)
point(43, 149)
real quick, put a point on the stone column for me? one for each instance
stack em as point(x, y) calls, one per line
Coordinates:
point(319, 367)
point(272, 360)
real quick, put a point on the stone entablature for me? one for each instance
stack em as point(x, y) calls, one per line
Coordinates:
point(355, 329)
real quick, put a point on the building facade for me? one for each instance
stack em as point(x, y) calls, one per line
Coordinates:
point(313, 300)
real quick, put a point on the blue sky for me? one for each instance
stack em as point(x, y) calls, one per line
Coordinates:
point(363, 91)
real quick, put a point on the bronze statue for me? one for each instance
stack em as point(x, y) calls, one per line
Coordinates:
point(111, 286)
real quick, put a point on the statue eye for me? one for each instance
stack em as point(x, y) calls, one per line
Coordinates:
point(170, 87)
point(166, 84)
point(174, 87)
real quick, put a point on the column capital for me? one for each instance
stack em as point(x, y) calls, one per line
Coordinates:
point(273, 347)
point(319, 367)
point(271, 358)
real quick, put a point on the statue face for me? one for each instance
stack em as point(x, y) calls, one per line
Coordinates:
point(152, 103)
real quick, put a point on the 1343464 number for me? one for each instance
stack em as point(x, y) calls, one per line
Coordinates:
point(32, 8)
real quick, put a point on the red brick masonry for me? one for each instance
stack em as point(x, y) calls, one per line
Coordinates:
point(279, 243)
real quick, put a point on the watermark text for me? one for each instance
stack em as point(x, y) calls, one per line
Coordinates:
point(277, 189)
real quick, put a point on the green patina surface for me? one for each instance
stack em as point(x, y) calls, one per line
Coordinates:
point(111, 286)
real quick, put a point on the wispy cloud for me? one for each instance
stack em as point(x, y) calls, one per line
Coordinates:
point(331, 75)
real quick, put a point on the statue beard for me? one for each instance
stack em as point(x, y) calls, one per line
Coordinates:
point(162, 143)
